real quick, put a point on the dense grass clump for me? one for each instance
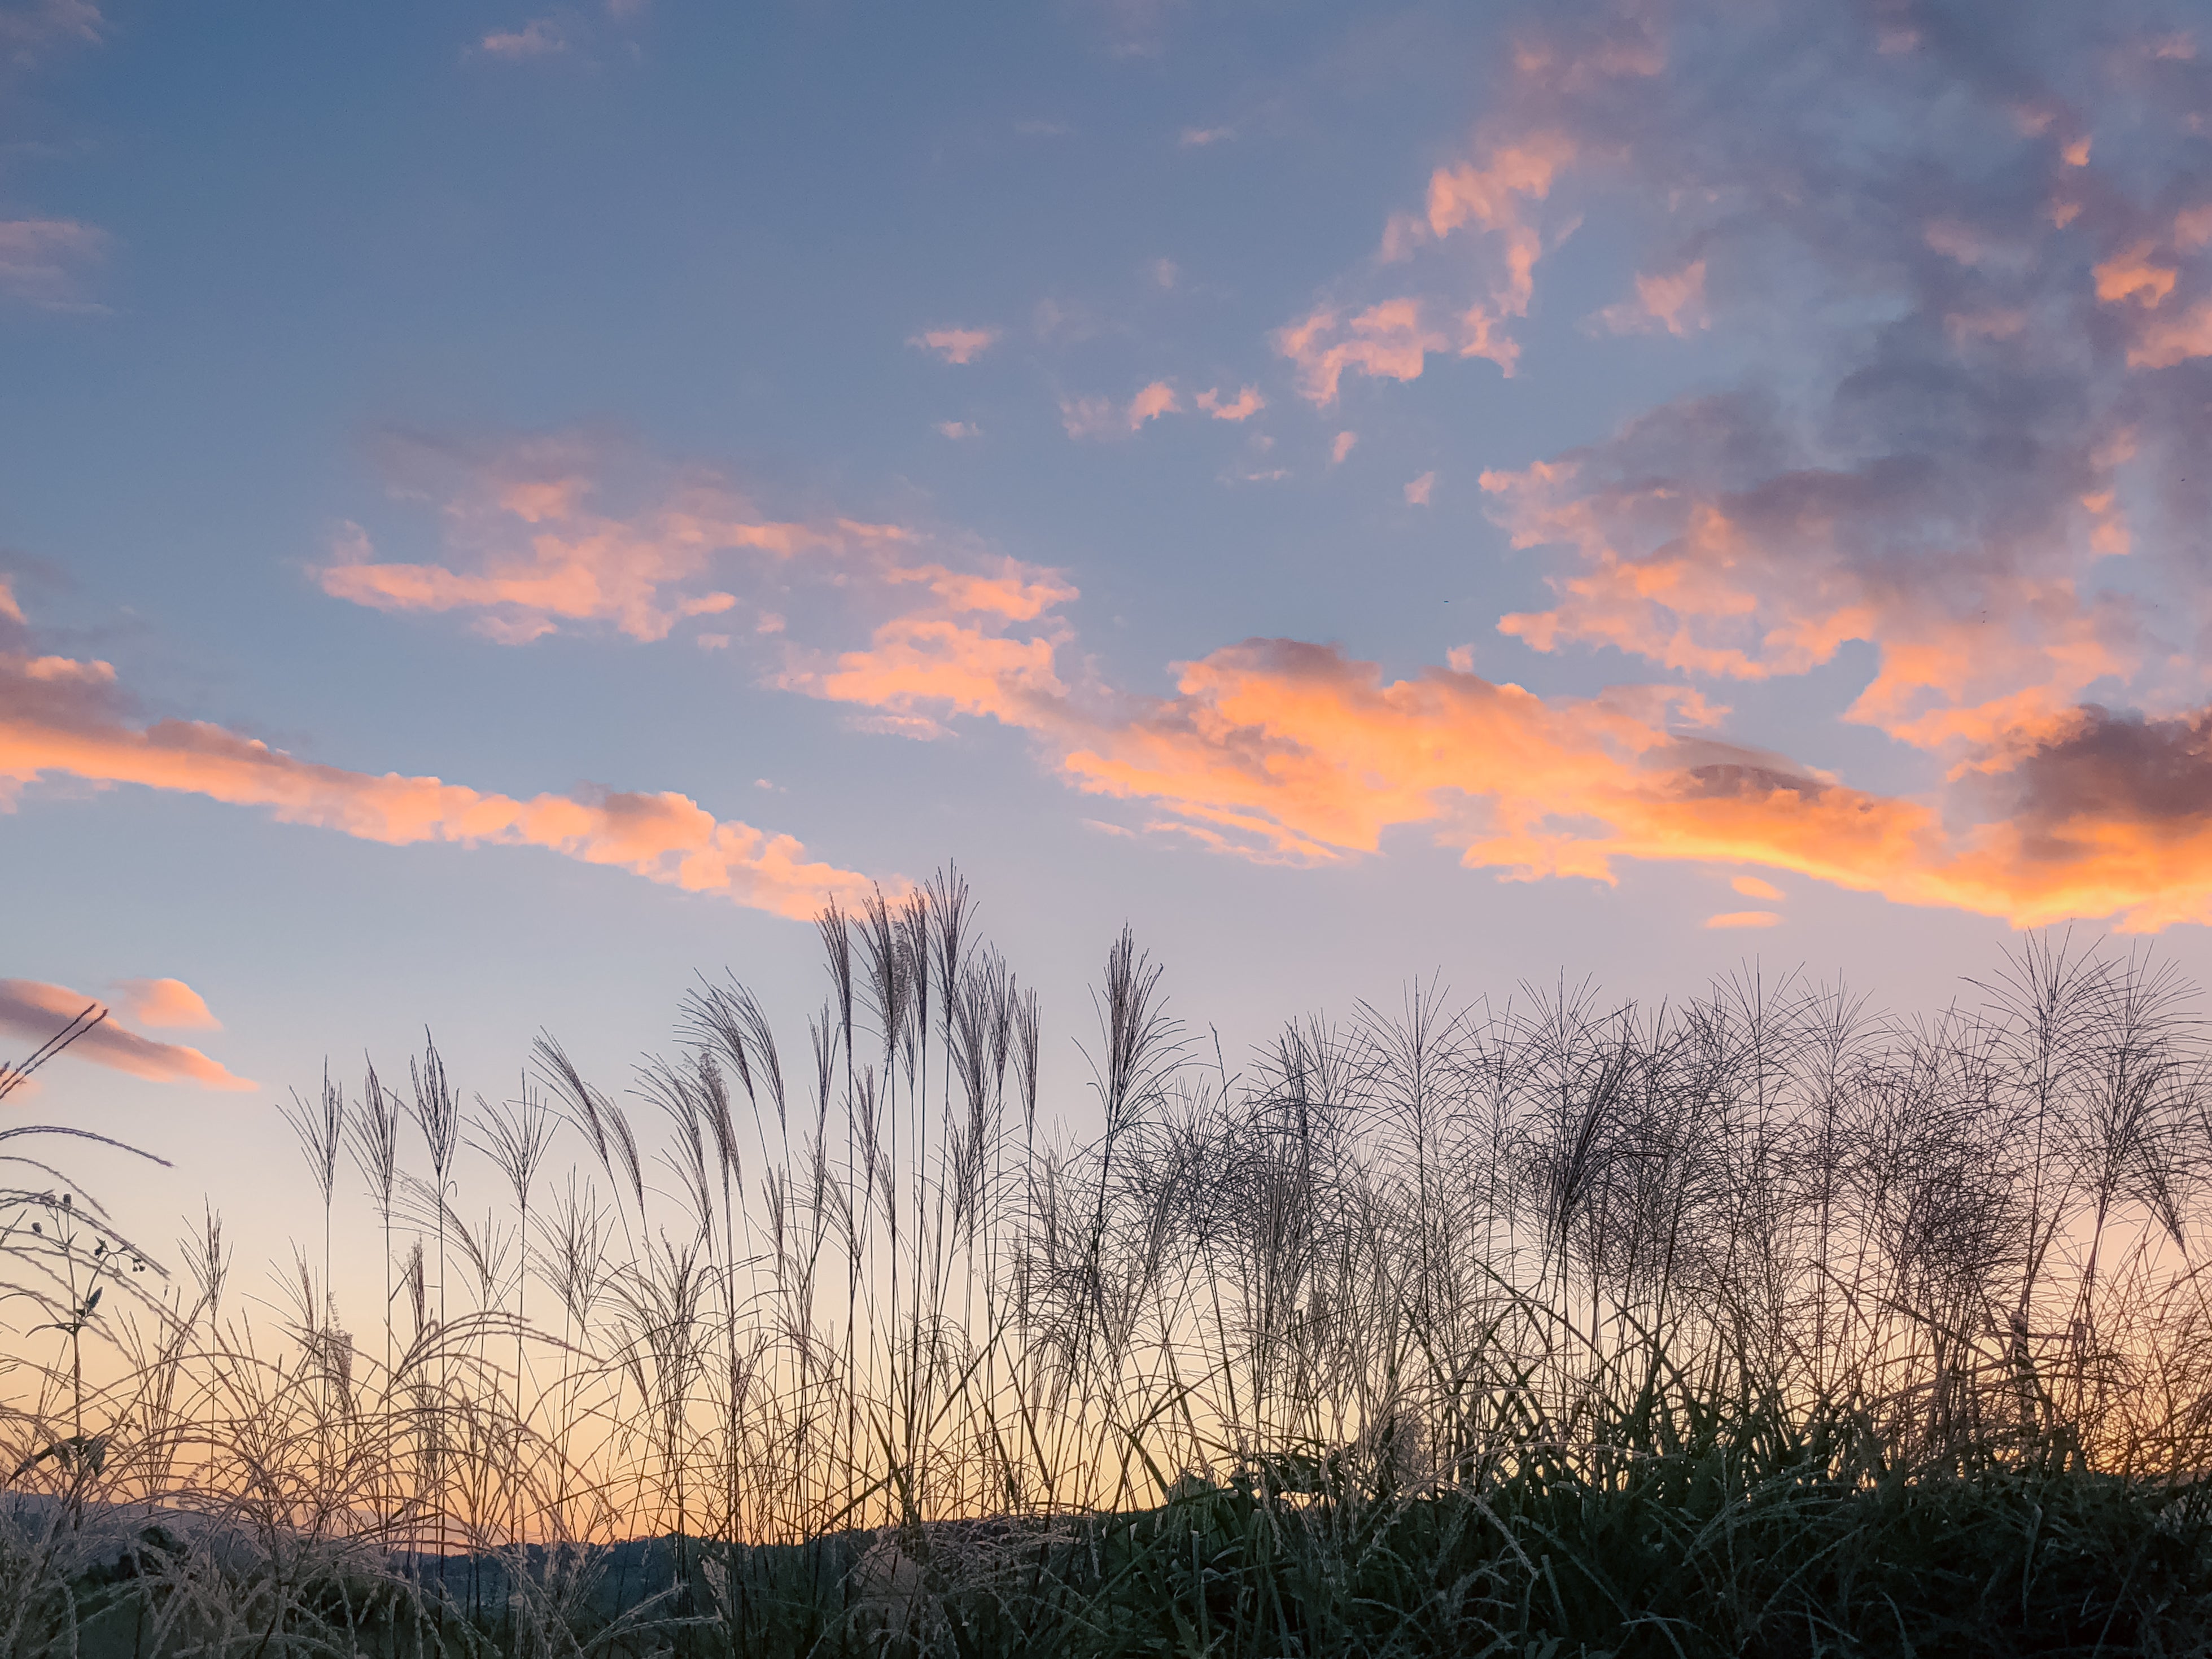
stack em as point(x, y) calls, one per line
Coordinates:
point(1750, 1324)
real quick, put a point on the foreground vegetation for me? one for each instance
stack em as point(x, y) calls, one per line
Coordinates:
point(1752, 1324)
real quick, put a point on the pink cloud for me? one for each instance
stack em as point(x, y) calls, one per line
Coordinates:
point(1491, 195)
point(533, 552)
point(1286, 751)
point(1675, 302)
point(1247, 403)
point(1417, 492)
point(956, 345)
point(1155, 400)
point(1340, 447)
point(167, 1004)
point(1101, 418)
point(541, 37)
point(1089, 417)
point(43, 262)
point(2166, 341)
point(2132, 275)
point(1759, 576)
point(1199, 137)
point(33, 1010)
point(28, 30)
point(954, 651)
point(1385, 341)
point(64, 718)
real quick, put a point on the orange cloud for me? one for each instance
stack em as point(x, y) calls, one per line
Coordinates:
point(917, 667)
point(1014, 590)
point(1772, 576)
point(953, 653)
point(1753, 887)
point(2166, 341)
point(956, 345)
point(167, 1004)
point(535, 553)
point(1290, 751)
point(2131, 276)
point(1386, 341)
point(63, 718)
point(1492, 196)
point(1744, 918)
point(1286, 751)
point(33, 1010)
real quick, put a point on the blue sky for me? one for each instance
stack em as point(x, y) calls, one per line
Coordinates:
point(1819, 386)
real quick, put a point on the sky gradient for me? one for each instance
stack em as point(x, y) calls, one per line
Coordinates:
point(502, 508)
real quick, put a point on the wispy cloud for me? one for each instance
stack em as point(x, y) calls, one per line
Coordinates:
point(31, 29)
point(1247, 404)
point(534, 548)
point(541, 37)
point(1674, 302)
point(956, 345)
point(61, 716)
point(1199, 138)
point(1417, 491)
point(1102, 417)
point(46, 262)
point(32, 1011)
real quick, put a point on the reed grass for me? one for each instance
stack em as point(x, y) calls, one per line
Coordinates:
point(1755, 1322)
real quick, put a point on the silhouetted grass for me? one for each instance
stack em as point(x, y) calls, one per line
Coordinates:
point(1752, 1324)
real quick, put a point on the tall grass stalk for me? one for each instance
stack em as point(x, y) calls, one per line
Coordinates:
point(1719, 1326)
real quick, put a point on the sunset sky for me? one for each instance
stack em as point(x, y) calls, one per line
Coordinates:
point(503, 507)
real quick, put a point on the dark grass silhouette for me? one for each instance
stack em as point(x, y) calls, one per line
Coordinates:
point(1754, 1323)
